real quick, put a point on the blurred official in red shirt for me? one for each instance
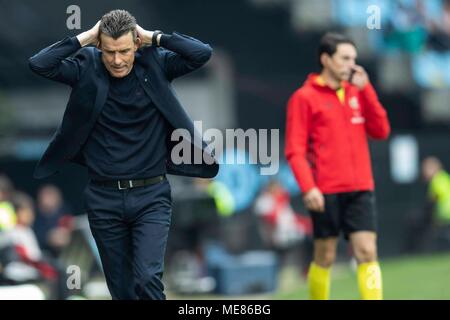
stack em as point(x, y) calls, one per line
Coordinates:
point(329, 120)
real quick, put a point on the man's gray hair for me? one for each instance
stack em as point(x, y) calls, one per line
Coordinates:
point(118, 22)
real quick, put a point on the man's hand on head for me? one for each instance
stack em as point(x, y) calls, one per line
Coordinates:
point(144, 35)
point(147, 36)
point(90, 37)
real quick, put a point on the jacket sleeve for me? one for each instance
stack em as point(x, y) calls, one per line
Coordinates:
point(55, 62)
point(182, 54)
point(297, 138)
point(377, 123)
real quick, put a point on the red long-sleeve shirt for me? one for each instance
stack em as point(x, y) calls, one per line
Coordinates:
point(326, 139)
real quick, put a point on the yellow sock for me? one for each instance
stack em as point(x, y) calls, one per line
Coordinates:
point(369, 281)
point(319, 282)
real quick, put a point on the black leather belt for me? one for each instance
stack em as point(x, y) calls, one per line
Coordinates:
point(128, 184)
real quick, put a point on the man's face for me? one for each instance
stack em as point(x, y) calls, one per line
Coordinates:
point(25, 216)
point(340, 64)
point(118, 54)
point(430, 167)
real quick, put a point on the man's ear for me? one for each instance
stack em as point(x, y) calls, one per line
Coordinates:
point(324, 59)
point(99, 44)
point(138, 43)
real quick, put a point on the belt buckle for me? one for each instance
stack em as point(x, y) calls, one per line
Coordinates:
point(120, 188)
point(129, 182)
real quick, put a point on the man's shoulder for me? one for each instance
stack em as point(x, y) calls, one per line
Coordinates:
point(304, 92)
point(88, 53)
point(89, 58)
point(145, 55)
point(350, 88)
point(147, 50)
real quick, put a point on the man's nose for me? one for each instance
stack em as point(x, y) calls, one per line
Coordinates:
point(117, 60)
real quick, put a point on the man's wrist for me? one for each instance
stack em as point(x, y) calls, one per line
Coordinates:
point(156, 37)
point(148, 38)
point(152, 38)
point(85, 38)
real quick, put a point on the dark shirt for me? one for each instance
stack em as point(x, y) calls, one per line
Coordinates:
point(128, 140)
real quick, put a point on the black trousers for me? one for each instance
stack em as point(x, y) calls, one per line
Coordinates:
point(130, 228)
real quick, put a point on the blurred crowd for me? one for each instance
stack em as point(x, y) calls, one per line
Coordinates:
point(413, 26)
point(418, 31)
point(33, 234)
point(422, 29)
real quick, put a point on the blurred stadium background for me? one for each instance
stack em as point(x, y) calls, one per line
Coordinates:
point(226, 241)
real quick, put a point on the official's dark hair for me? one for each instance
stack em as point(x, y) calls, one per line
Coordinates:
point(329, 43)
point(116, 23)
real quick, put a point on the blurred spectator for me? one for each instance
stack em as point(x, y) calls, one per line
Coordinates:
point(430, 229)
point(53, 223)
point(281, 228)
point(22, 235)
point(7, 215)
point(439, 190)
point(439, 29)
point(430, 67)
point(406, 29)
point(21, 256)
point(6, 188)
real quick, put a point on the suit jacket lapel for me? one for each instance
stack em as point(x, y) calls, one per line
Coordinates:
point(102, 87)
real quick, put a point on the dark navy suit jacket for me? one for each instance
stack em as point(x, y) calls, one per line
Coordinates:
point(156, 67)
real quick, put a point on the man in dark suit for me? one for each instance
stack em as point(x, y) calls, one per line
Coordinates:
point(118, 123)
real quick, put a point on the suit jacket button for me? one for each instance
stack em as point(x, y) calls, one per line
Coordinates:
point(145, 79)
